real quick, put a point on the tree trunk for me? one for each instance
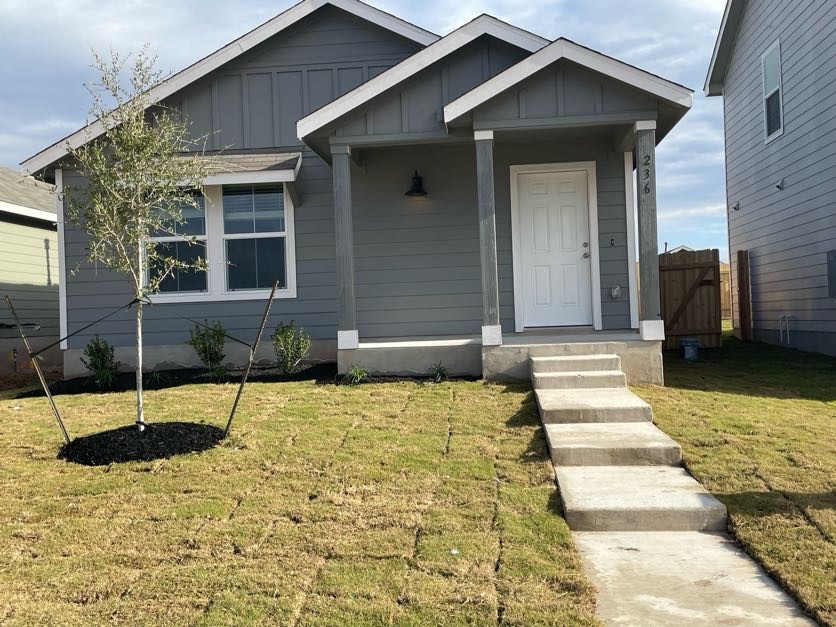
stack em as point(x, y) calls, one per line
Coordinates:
point(140, 412)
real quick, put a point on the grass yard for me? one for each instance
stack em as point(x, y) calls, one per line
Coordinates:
point(757, 425)
point(396, 503)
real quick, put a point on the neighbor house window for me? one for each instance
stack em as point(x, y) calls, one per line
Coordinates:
point(772, 104)
point(255, 237)
point(184, 241)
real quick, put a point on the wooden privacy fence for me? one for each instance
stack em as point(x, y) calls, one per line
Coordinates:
point(689, 283)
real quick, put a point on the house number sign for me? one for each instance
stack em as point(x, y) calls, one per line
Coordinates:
point(647, 161)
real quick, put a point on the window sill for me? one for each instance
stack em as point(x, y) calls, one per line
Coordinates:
point(770, 138)
point(206, 297)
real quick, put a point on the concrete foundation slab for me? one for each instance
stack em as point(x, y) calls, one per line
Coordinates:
point(636, 498)
point(653, 578)
point(591, 405)
point(611, 444)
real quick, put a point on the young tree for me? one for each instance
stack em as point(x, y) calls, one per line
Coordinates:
point(138, 182)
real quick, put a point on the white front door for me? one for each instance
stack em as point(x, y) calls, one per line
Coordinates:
point(555, 248)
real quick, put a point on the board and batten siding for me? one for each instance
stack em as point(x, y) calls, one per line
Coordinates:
point(788, 232)
point(308, 64)
point(29, 275)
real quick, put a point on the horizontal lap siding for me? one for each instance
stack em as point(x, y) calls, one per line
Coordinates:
point(29, 276)
point(787, 232)
point(417, 259)
point(258, 96)
point(612, 222)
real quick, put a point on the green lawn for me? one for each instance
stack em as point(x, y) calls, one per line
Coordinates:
point(395, 503)
point(757, 425)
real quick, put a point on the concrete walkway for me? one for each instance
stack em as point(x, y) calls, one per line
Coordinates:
point(649, 534)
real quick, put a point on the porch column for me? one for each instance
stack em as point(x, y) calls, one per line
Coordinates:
point(347, 336)
point(650, 312)
point(491, 329)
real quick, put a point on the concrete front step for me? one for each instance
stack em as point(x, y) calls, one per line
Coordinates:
point(636, 498)
point(578, 380)
point(611, 444)
point(591, 405)
point(681, 578)
point(576, 363)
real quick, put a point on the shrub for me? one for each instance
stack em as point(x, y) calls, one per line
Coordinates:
point(99, 358)
point(291, 346)
point(438, 373)
point(356, 374)
point(208, 342)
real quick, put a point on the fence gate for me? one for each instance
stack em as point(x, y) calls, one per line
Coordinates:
point(689, 282)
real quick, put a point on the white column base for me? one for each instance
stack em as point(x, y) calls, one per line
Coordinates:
point(348, 340)
point(652, 329)
point(492, 335)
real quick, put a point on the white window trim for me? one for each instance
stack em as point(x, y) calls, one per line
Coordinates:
point(768, 138)
point(216, 256)
point(590, 168)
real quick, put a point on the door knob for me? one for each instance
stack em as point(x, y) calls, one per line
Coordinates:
point(586, 255)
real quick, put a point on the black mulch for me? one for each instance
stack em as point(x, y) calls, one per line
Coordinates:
point(126, 444)
point(322, 373)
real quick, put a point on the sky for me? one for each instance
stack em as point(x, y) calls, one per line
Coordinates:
point(45, 56)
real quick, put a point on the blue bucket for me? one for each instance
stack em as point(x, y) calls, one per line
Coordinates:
point(690, 348)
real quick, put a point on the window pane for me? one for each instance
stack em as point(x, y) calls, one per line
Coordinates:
point(241, 264)
point(773, 113)
point(190, 280)
point(193, 220)
point(268, 206)
point(253, 209)
point(255, 263)
point(270, 261)
point(771, 71)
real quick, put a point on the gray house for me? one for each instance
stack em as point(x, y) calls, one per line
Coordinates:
point(465, 199)
point(774, 66)
point(28, 269)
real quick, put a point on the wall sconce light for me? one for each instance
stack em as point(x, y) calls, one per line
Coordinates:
point(736, 206)
point(417, 188)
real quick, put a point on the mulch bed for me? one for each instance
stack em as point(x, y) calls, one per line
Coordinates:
point(159, 440)
point(324, 373)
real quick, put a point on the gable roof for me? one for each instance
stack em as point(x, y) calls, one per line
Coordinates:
point(26, 197)
point(565, 49)
point(482, 25)
point(208, 64)
point(723, 47)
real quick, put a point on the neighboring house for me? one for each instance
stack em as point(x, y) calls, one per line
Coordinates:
point(680, 248)
point(518, 155)
point(775, 67)
point(28, 268)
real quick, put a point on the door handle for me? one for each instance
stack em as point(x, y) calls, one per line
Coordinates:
point(586, 255)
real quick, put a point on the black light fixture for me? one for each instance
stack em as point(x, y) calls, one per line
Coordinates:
point(417, 188)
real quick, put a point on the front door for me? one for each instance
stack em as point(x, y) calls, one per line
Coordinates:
point(555, 248)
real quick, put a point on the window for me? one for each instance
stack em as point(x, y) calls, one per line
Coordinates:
point(254, 237)
point(184, 241)
point(245, 233)
point(772, 103)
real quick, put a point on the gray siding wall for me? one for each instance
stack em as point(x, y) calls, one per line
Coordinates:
point(416, 107)
point(561, 92)
point(787, 232)
point(300, 70)
point(417, 259)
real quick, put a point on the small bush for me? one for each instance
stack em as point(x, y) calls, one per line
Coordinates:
point(438, 373)
point(156, 379)
point(208, 342)
point(291, 346)
point(356, 374)
point(99, 358)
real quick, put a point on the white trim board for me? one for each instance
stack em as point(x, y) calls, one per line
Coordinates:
point(482, 25)
point(62, 258)
point(565, 49)
point(630, 210)
point(516, 246)
point(208, 64)
point(28, 212)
